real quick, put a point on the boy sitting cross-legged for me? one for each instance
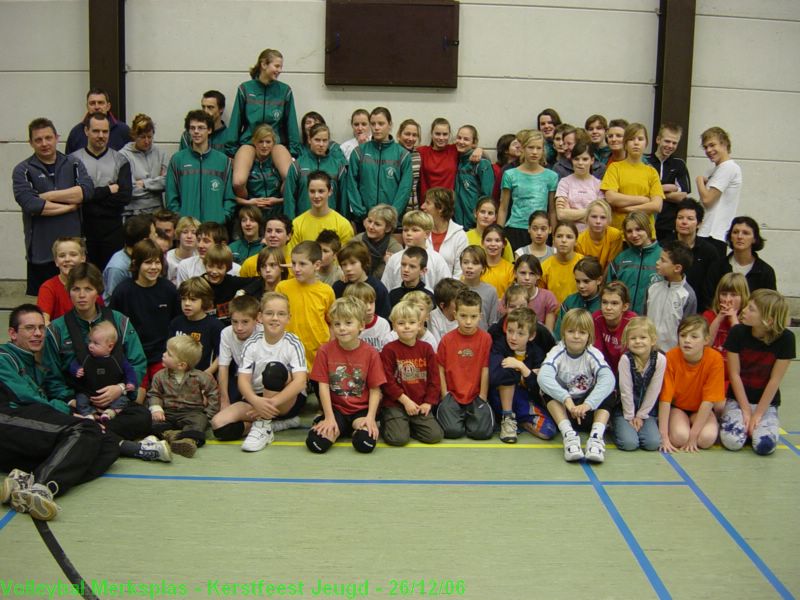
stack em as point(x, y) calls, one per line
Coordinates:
point(349, 373)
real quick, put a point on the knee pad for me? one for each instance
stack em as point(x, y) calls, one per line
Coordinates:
point(274, 376)
point(363, 442)
point(229, 432)
point(765, 445)
point(317, 444)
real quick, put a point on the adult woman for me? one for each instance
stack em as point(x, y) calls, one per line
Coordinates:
point(744, 239)
point(448, 237)
point(148, 168)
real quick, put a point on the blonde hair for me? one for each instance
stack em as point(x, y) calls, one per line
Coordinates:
point(361, 290)
point(185, 223)
point(417, 218)
point(774, 310)
point(406, 309)
point(387, 214)
point(530, 135)
point(579, 319)
point(107, 329)
point(639, 218)
point(78, 241)
point(640, 324)
point(270, 296)
point(263, 131)
point(602, 204)
point(141, 124)
point(733, 283)
point(347, 308)
point(185, 349)
point(419, 297)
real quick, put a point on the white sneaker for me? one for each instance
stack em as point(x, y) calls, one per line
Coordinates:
point(37, 500)
point(154, 449)
point(595, 450)
point(283, 424)
point(572, 447)
point(260, 435)
point(16, 480)
point(508, 430)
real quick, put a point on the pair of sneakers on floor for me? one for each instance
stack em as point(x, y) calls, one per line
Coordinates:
point(262, 432)
point(595, 448)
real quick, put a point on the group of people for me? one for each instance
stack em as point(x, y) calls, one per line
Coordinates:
point(417, 291)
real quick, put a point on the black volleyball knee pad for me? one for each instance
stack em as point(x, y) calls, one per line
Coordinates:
point(274, 376)
point(363, 442)
point(229, 432)
point(318, 444)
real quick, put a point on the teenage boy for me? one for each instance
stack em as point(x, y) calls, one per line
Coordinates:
point(250, 244)
point(674, 176)
point(166, 222)
point(98, 101)
point(309, 299)
point(672, 298)
point(442, 319)
point(199, 179)
point(720, 187)
point(596, 126)
point(209, 234)
point(196, 300)
point(49, 188)
point(463, 409)
point(417, 227)
point(413, 265)
point(213, 104)
point(349, 374)
point(688, 218)
point(118, 269)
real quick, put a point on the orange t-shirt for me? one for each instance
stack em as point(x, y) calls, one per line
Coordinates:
point(687, 386)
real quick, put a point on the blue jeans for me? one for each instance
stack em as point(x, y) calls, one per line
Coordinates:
point(627, 438)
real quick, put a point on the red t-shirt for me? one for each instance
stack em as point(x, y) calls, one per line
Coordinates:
point(410, 370)
point(438, 168)
point(54, 298)
point(350, 374)
point(610, 342)
point(465, 357)
point(437, 239)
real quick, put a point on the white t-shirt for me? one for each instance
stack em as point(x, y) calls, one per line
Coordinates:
point(727, 178)
point(194, 267)
point(232, 348)
point(377, 335)
point(172, 264)
point(437, 270)
point(257, 353)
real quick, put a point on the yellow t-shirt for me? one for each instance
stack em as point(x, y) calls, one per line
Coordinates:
point(605, 250)
point(308, 227)
point(558, 277)
point(638, 179)
point(309, 304)
point(474, 239)
point(249, 265)
point(501, 276)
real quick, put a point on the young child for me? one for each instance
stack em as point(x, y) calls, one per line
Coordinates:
point(473, 179)
point(693, 383)
point(539, 231)
point(599, 239)
point(610, 322)
point(218, 261)
point(349, 373)
point(424, 303)
point(320, 216)
point(517, 297)
point(100, 368)
point(53, 296)
point(272, 379)
point(251, 222)
point(376, 329)
point(513, 390)
point(379, 224)
point(182, 398)
point(411, 391)
point(760, 350)
point(732, 294)
point(329, 270)
point(636, 265)
point(575, 381)
point(442, 319)
point(197, 299)
point(413, 266)
point(485, 214)
point(499, 273)
point(576, 191)
point(641, 373)
point(671, 299)
point(417, 228)
point(232, 341)
point(354, 259)
point(309, 299)
point(527, 188)
point(463, 409)
point(527, 272)
point(557, 271)
point(208, 234)
point(473, 265)
point(588, 276)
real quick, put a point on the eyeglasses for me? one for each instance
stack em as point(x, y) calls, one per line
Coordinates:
point(32, 328)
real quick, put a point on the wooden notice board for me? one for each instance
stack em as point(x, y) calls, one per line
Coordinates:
point(385, 42)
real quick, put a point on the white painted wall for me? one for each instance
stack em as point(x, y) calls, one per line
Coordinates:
point(515, 58)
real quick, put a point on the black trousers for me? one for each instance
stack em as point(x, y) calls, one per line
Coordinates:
point(53, 446)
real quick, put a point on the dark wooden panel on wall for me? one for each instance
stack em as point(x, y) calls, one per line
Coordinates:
point(107, 51)
point(385, 42)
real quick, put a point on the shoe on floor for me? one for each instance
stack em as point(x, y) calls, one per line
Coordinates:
point(259, 437)
point(508, 429)
point(595, 450)
point(36, 500)
point(572, 447)
point(184, 447)
point(171, 434)
point(151, 448)
point(16, 480)
point(283, 424)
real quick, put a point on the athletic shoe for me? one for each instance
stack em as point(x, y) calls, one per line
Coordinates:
point(151, 448)
point(37, 500)
point(595, 450)
point(572, 447)
point(260, 435)
point(283, 424)
point(16, 480)
point(184, 447)
point(508, 429)
point(171, 434)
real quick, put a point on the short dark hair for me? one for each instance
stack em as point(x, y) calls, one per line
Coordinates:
point(96, 91)
point(330, 238)
point(40, 123)
point(165, 214)
point(22, 309)
point(198, 115)
point(691, 204)
point(136, 229)
point(758, 244)
point(446, 291)
point(468, 298)
point(679, 253)
point(218, 96)
point(216, 231)
point(86, 271)
point(287, 222)
point(310, 249)
point(417, 252)
point(320, 176)
point(355, 250)
point(97, 116)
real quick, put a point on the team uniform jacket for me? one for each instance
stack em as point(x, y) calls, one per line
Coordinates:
point(379, 173)
point(201, 185)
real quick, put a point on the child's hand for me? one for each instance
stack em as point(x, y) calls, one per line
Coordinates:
point(72, 403)
point(691, 445)
point(509, 362)
point(80, 372)
point(328, 429)
point(158, 416)
point(411, 407)
point(425, 409)
point(561, 203)
point(388, 255)
point(579, 412)
point(752, 422)
point(636, 423)
point(666, 445)
point(367, 424)
point(129, 387)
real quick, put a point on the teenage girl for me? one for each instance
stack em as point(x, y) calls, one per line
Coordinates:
point(599, 239)
point(546, 122)
point(270, 272)
point(588, 275)
point(539, 231)
point(264, 181)
point(579, 189)
point(557, 271)
point(186, 232)
point(527, 188)
point(486, 214)
point(508, 154)
point(408, 136)
point(473, 179)
point(636, 265)
point(499, 272)
point(359, 122)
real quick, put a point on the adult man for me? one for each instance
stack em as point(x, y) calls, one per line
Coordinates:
point(719, 189)
point(49, 187)
point(213, 103)
point(113, 189)
point(674, 177)
point(97, 100)
point(199, 179)
point(687, 221)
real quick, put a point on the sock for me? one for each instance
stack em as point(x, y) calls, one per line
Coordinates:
point(507, 413)
point(598, 429)
point(565, 427)
point(129, 449)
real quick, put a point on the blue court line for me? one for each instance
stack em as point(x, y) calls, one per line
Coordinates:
point(645, 564)
point(730, 529)
point(644, 483)
point(7, 517)
point(790, 445)
point(793, 433)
